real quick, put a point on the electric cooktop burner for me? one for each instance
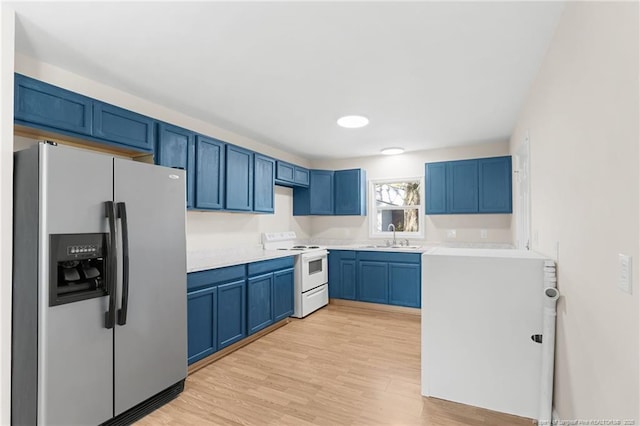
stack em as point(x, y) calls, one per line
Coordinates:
point(299, 248)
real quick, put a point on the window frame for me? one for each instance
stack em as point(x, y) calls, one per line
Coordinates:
point(373, 209)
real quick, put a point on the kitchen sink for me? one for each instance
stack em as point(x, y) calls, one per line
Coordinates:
point(391, 247)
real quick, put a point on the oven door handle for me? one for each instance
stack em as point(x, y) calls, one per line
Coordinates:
point(312, 259)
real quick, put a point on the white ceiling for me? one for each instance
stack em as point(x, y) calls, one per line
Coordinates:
point(427, 74)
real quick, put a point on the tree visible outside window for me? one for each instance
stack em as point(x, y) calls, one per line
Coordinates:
point(397, 202)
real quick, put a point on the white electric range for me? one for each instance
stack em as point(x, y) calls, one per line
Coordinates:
point(311, 276)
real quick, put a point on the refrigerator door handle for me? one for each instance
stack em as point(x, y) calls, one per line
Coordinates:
point(110, 315)
point(122, 312)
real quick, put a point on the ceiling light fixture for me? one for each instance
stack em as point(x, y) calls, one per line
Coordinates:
point(392, 151)
point(353, 121)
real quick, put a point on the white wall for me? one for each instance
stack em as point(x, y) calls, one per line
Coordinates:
point(411, 164)
point(7, 43)
point(207, 230)
point(582, 115)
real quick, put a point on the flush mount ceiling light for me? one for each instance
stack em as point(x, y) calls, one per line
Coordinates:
point(353, 121)
point(392, 151)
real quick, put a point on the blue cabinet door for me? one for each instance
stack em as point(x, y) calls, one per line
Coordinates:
point(285, 172)
point(348, 278)
point(282, 294)
point(201, 323)
point(176, 148)
point(350, 192)
point(404, 284)
point(494, 178)
point(209, 173)
point(321, 192)
point(50, 107)
point(436, 188)
point(301, 176)
point(260, 302)
point(231, 313)
point(373, 281)
point(462, 186)
point(122, 126)
point(239, 179)
point(264, 176)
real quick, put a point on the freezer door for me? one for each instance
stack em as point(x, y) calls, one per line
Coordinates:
point(151, 347)
point(75, 365)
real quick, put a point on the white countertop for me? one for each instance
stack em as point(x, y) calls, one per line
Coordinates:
point(365, 247)
point(202, 260)
point(484, 252)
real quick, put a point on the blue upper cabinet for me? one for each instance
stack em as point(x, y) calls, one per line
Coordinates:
point(436, 188)
point(50, 107)
point(291, 175)
point(494, 175)
point(341, 192)
point(462, 186)
point(350, 192)
point(176, 148)
point(469, 186)
point(122, 126)
point(239, 179)
point(301, 176)
point(264, 175)
point(321, 186)
point(53, 109)
point(209, 173)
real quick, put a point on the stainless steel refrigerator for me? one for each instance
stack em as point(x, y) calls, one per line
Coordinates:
point(99, 287)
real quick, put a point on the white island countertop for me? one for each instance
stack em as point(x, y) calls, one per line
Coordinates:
point(201, 260)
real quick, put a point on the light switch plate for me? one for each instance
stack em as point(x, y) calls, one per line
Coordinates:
point(483, 233)
point(624, 279)
point(451, 233)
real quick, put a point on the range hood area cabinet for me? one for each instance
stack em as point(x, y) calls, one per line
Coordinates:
point(332, 193)
point(481, 185)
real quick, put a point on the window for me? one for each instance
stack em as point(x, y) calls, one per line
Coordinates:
point(397, 202)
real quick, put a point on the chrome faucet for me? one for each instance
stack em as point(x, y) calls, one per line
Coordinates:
point(392, 227)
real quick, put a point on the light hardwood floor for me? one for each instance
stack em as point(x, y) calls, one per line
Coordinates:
point(339, 366)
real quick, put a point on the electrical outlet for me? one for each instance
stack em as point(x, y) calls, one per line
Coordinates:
point(483, 233)
point(624, 279)
point(536, 237)
point(451, 233)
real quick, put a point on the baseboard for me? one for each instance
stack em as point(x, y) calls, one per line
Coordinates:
point(376, 307)
point(226, 351)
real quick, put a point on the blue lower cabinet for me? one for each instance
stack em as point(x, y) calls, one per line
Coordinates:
point(282, 294)
point(373, 281)
point(231, 313)
point(259, 302)
point(201, 323)
point(404, 284)
point(342, 274)
point(348, 278)
point(376, 276)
